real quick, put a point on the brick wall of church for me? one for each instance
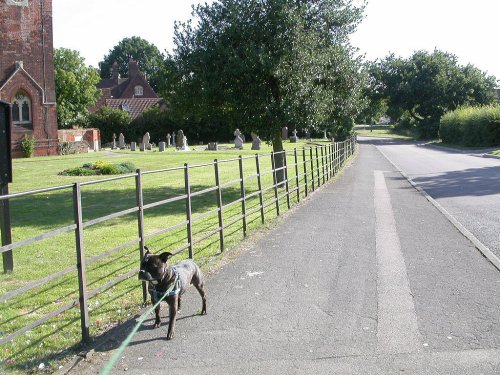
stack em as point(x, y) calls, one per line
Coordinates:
point(26, 35)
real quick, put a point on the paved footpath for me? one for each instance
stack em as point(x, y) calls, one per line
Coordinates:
point(365, 277)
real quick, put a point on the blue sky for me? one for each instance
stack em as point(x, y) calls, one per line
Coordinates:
point(468, 29)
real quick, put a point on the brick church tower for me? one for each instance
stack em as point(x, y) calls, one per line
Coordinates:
point(27, 72)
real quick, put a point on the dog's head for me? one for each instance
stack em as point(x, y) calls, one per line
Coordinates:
point(153, 267)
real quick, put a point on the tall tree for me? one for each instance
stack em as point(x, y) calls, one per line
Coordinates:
point(75, 86)
point(147, 55)
point(265, 64)
point(427, 85)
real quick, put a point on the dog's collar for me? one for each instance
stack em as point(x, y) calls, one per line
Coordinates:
point(172, 290)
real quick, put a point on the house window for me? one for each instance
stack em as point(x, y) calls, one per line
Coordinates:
point(139, 91)
point(21, 110)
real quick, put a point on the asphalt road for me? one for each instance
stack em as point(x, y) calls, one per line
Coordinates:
point(466, 184)
point(365, 277)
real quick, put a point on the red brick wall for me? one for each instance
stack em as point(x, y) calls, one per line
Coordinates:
point(26, 35)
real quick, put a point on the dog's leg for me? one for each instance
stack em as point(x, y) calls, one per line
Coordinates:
point(157, 317)
point(199, 287)
point(179, 303)
point(172, 305)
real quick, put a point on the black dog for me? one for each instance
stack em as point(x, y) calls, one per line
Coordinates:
point(173, 281)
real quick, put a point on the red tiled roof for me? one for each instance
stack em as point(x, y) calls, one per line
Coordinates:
point(135, 106)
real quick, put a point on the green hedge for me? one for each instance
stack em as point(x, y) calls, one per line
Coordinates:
point(472, 126)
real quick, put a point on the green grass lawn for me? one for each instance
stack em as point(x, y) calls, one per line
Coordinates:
point(386, 132)
point(33, 215)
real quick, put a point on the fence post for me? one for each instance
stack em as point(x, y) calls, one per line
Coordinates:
point(80, 263)
point(287, 185)
point(323, 164)
point(259, 184)
point(297, 180)
point(243, 196)
point(305, 170)
point(275, 184)
point(5, 228)
point(330, 157)
point(219, 204)
point(140, 223)
point(189, 225)
point(317, 167)
point(312, 167)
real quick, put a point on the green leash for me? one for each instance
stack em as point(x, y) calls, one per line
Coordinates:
point(111, 363)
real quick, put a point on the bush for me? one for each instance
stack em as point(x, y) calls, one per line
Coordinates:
point(100, 167)
point(28, 146)
point(110, 121)
point(472, 126)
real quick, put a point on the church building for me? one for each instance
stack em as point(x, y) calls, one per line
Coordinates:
point(27, 72)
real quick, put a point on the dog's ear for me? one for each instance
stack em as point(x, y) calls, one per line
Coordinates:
point(164, 256)
point(147, 250)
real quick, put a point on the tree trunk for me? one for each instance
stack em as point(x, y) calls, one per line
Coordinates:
point(279, 157)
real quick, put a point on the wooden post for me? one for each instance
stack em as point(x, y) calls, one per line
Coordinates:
point(189, 225)
point(317, 167)
point(219, 205)
point(259, 184)
point(243, 196)
point(140, 224)
point(80, 263)
point(5, 227)
point(323, 163)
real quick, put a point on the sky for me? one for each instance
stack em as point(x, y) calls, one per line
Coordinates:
point(467, 29)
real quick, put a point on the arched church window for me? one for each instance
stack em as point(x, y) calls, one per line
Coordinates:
point(139, 91)
point(21, 110)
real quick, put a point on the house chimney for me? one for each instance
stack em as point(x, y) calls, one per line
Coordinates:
point(133, 69)
point(115, 74)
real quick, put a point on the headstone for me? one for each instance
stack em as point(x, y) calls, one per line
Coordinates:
point(168, 139)
point(173, 140)
point(161, 146)
point(180, 139)
point(142, 146)
point(113, 147)
point(133, 145)
point(284, 133)
point(121, 141)
point(145, 141)
point(324, 134)
point(255, 141)
point(238, 141)
point(294, 138)
point(308, 136)
point(212, 146)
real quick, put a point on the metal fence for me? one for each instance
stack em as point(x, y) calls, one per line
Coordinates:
point(303, 171)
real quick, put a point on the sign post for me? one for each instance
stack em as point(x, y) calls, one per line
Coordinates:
point(5, 179)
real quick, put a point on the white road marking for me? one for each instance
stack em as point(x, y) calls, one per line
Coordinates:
point(397, 319)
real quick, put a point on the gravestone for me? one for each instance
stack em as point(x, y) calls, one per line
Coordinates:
point(294, 138)
point(168, 139)
point(255, 141)
point(182, 144)
point(284, 133)
point(212, 146)
point(161, 146)
point(324, 134)
point(173, 140)
point(113, 147)
point(133, 145)
point(238, 140)
point(121, 141)
point(145, 142)
point(142, 146)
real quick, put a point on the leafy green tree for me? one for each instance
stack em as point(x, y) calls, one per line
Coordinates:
point(427, 85)
point(111, 121)
point(75, 86)
point(147, 55)
point(260, 65)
